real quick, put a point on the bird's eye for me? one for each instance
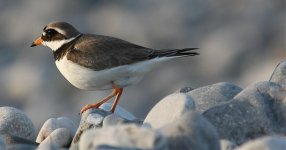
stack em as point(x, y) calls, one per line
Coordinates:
point(50, 33)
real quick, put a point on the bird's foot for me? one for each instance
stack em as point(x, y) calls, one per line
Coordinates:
point(86, 107)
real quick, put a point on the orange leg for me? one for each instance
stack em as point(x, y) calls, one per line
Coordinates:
point(120, 90)
point(116, 92)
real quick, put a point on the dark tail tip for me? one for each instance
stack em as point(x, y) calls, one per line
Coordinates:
point(174, 52)
point(187, 52)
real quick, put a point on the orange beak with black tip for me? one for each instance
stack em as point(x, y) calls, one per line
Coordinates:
point(37, 42)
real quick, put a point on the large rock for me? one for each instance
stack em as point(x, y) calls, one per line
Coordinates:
point(279, 74)
point(265, 143)
point(15, 122)
point(212, 95)
point(59, 138)
point(55, 123)
point(92, 118)
point(122, 137)
point(169, 110)
point(256, 111)
point(191, 131)
point(96, 118)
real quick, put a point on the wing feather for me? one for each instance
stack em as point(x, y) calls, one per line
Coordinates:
point(102, 52)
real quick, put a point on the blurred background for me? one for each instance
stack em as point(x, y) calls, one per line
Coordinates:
point(240, 42)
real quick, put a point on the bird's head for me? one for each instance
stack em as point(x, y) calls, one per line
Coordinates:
point(56, 34)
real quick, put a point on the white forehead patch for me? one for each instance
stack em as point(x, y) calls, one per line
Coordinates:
point(44, 33)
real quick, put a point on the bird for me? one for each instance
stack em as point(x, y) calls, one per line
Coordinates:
point(98, 62)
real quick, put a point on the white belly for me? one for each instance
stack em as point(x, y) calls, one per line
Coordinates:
point(89, 79)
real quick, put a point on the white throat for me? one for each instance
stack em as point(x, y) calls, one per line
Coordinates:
point(55, 45)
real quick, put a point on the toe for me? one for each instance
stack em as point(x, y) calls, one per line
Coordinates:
point(87, 107)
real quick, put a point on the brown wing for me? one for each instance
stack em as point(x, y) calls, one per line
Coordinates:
point(102, 52)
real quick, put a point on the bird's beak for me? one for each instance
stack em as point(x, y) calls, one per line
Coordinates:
point(37, 42)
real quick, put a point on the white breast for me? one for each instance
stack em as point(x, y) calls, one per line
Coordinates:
point(89, 79)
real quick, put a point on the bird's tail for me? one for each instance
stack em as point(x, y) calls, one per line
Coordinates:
point(174, 52)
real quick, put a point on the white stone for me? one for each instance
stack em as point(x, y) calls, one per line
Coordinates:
point(94, 118)
point(59, 138)
point(279, 74)
point(226, 145)
point(120, 111)
point(191, 131)
point(124, 136)
point(54, 123)
point(15, 122)
point(48, 147)
point(169, 110)
point(265, 143)
point(258, 110)
point(212, 95)
point(112, 120)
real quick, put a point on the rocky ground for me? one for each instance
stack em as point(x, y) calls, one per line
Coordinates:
point(221, 116)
